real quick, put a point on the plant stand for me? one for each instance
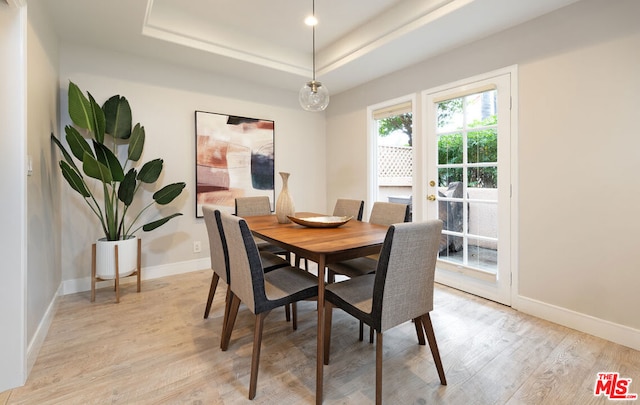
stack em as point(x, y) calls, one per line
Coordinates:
point(95, 278)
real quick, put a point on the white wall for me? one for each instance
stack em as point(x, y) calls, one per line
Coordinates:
point(43, 215)
point(577, 159)
point(579, 114)
point(164, 98)
point(13, 23)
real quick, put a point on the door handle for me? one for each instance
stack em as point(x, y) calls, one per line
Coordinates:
point(431, 197)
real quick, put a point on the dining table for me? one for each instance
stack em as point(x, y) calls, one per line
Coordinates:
point(323, 245)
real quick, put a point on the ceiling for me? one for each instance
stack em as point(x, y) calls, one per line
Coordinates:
point(266, 41)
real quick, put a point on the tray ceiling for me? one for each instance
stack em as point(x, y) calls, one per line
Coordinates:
point(268, 42)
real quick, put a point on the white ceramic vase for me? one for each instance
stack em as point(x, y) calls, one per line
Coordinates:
point(127, 257)
point(284, 204)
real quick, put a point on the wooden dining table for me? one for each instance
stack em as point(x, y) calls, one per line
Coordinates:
point(323, 246)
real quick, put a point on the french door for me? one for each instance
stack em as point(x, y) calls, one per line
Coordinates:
point(467, 180)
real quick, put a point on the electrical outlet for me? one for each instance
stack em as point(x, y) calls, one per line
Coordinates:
point(197, 247)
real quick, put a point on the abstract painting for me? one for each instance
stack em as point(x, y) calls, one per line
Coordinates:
point(234, 158)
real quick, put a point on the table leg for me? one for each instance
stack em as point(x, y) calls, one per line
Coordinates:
point(320, 358)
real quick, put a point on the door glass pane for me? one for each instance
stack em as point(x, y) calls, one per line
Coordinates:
point(468, 179)
point(448, 175)
point(483, 216)
point(450, 148)
point(482, 146)
point(447, 248)
point(483, 176)
point(481, 257)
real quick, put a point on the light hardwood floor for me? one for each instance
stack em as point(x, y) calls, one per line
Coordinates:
point(155, 348)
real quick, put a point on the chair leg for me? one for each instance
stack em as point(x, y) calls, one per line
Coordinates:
point(287, 312)
point(370, 334)
point(378, 368)
point(225, 319)
point(255, 359)
point(212, 292)
point(326, 339)
point(93, 272)
point(294, 310)
point(231, 320)
point(361, 332)
point(431, 337)
point(117, 286)
point(298, 260)
point(419, 331)
point(227, 309)
point(139, 263)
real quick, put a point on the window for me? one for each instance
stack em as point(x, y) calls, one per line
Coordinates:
point(393, 138)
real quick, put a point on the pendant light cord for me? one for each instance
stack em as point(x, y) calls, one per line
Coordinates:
point(313, 35)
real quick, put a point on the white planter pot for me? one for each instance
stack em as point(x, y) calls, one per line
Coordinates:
point(127, 257)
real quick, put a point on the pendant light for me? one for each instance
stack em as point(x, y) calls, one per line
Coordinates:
point(314, 96)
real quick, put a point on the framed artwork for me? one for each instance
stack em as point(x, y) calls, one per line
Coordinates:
point(234, 158)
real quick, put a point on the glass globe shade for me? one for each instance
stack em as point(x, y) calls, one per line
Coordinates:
point(314, 96)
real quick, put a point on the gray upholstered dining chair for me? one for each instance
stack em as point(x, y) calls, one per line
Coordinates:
point(218, 254)
point(348, 208)
point(344, 207)
point(401, 289)
point(382, 213)
point(259, 205)
point(259, 291)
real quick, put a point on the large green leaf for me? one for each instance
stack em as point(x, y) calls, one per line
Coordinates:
point(79, 108)
point(127, 188)
point(118, 117)
point(136, 143)
point(74, 179)
point(97, 115)
point(153, 225)
point(107, 158)
point(65, 154)
point(150, 171)
point(168, 193)
point(77, 143)
point(95, 169)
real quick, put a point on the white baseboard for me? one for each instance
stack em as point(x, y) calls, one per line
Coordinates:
point(33, 349)
point(613, 332)
point(147, 273)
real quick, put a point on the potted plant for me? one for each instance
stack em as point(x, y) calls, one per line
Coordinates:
point(110, 129)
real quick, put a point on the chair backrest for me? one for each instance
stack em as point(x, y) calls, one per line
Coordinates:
point(217, 246)
point(245, 266)
point(386, 213)
point(403, 287)
point(251, 206)
point(349, 208)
